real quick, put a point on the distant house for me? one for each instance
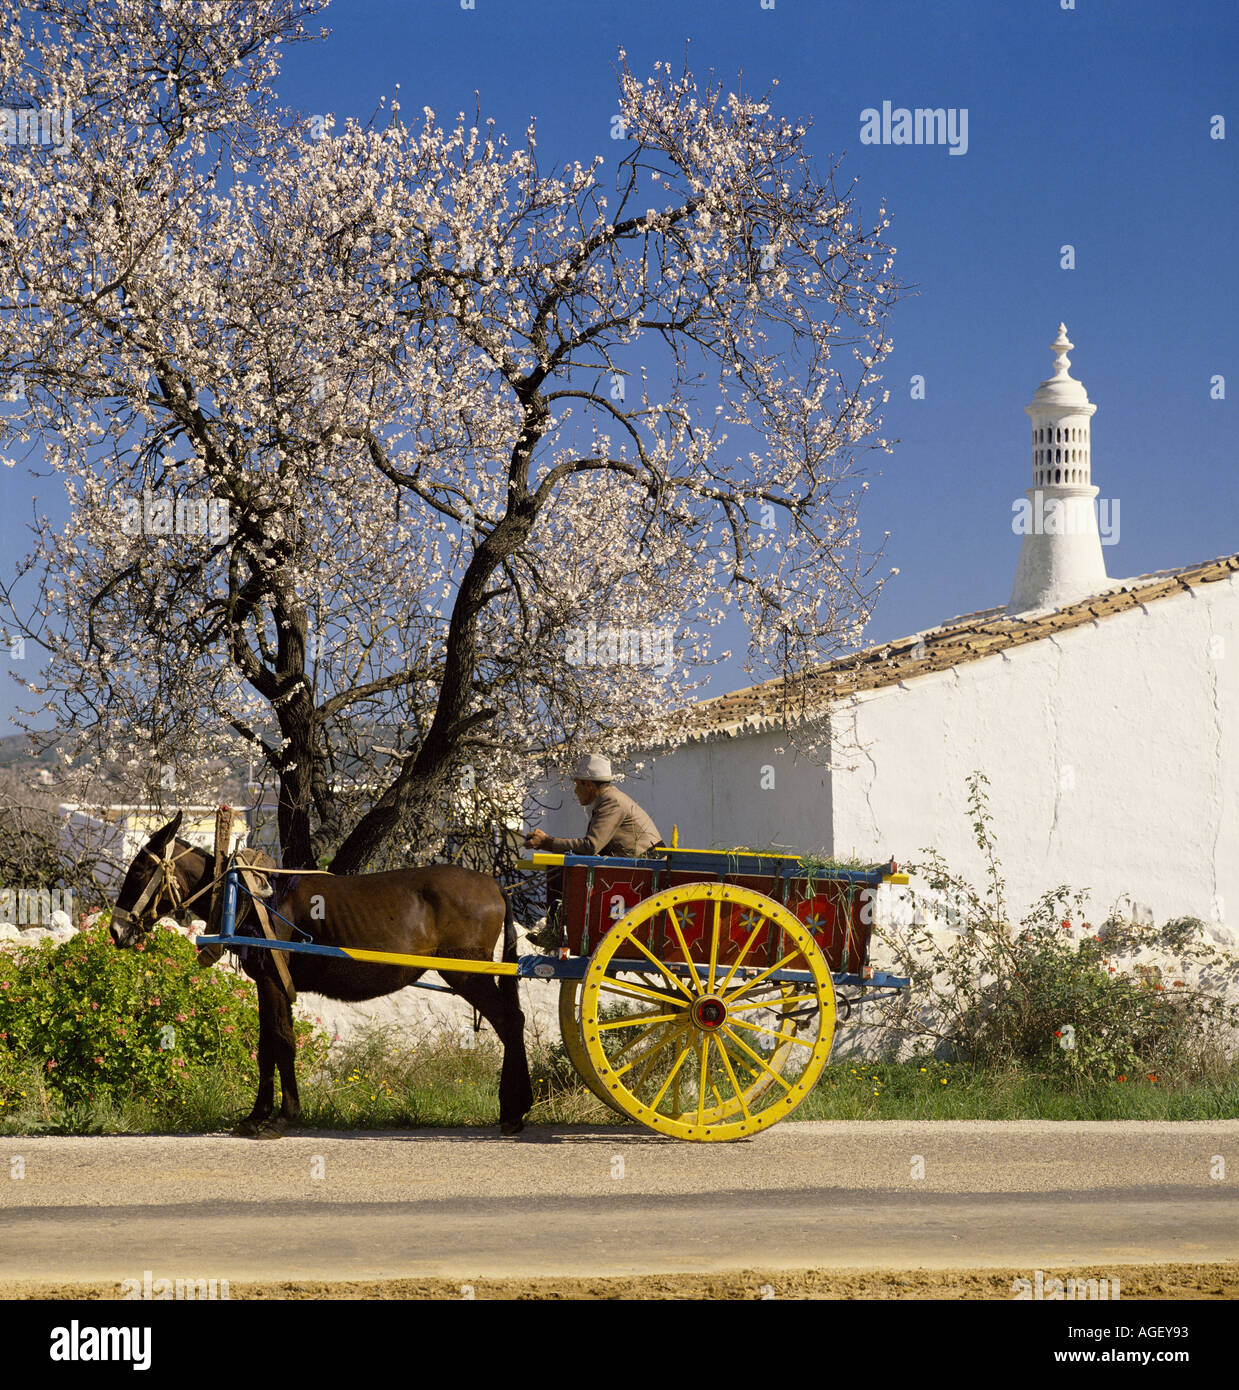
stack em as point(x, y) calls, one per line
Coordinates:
point(1105, 714)
point(117, 833)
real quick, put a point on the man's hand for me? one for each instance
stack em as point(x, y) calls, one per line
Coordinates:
point(536, 839)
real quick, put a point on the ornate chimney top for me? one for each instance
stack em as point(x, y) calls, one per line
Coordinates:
point(1060, 557)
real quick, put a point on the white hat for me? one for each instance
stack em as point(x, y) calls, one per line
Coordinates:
point(593, 767)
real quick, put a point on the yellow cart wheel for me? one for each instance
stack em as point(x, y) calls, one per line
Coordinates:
point(574, 1042)
point(692, 1046)
point(781, 1008)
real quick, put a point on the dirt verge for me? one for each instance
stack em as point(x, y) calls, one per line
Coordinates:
point(1158, 1281)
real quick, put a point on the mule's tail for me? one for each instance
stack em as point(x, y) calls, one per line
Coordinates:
point(509, 929)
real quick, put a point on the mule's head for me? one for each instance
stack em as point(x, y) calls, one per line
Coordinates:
point(147, 892)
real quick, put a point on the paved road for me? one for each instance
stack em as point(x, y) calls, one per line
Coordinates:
point(586, 1202)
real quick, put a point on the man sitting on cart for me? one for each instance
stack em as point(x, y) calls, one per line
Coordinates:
point(617, 827)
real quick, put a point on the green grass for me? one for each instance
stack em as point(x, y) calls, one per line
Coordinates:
point(931, 1090)
point(379, 1082)
point(376, 1082)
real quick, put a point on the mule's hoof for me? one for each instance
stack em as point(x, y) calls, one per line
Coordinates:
point(248, 1128)
point(273, 1129)
point(512, 1127)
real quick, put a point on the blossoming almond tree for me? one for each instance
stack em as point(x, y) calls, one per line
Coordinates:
point(361, 428)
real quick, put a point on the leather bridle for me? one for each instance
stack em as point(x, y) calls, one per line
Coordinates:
point(163, 881)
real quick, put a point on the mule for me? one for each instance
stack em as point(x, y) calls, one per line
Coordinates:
point(442, 910)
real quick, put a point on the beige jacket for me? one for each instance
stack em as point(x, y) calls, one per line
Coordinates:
point(617, 826)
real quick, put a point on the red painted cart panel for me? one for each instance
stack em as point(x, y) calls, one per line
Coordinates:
point(838, 913)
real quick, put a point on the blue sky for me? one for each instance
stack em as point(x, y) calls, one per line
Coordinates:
point(1087, 127)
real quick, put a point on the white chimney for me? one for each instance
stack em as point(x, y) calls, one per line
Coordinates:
point(1060, 557)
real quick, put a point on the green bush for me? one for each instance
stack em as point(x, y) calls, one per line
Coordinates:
point(1029, 996)
point(96, 1024)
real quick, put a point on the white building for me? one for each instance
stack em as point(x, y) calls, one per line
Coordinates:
point(1105, 714)
point(117, 833)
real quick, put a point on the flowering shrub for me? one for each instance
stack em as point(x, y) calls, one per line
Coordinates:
point(96, 1022)
point(1032, 995)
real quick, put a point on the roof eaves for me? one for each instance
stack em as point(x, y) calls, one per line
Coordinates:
point(987, 632)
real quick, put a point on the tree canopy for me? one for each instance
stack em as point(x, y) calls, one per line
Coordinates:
point(388, 437)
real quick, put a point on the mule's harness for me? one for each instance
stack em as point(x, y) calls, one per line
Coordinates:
point(250, 874)
point(165, 880)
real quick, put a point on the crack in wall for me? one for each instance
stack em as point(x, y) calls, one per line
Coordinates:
point(1217, 787)
point(873, 815)
point(1055, 740)
point(865, 749)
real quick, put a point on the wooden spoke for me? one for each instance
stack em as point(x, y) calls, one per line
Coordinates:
point(637, 1020)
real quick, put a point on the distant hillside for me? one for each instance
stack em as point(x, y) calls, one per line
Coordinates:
point(230, 780)
point(15, 752)
point(16, 790)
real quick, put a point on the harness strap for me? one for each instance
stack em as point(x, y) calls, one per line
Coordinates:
point(166, 878)
point(250, 877)
point(152, 884)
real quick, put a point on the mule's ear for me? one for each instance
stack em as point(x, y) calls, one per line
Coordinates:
point(169, 831)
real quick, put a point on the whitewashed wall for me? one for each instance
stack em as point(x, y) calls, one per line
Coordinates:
point(1112, 752)
point(714, 793)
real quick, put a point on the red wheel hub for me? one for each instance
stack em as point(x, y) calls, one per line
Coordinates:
point(709, 1012)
